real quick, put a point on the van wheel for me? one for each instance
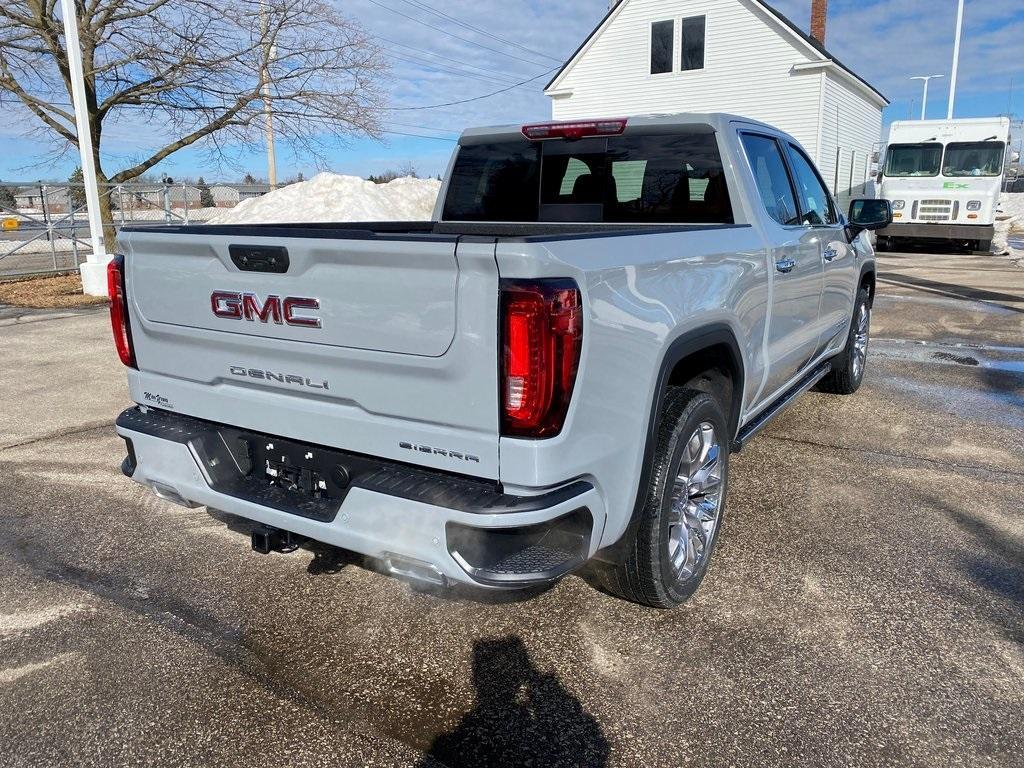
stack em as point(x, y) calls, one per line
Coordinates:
point(849, 365)
point(682, 515)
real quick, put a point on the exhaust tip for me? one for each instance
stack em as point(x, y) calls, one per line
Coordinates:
point(416, 570)
point(167, 493)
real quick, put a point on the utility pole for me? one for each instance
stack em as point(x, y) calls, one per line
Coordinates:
point(94, 270)
point(956, 57)
point(924, 99)
point(268, 109)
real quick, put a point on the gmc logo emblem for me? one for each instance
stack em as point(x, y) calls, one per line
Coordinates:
point(291, 310)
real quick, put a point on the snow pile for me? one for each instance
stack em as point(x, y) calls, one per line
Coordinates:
point(329, 197)
point(1009, 221)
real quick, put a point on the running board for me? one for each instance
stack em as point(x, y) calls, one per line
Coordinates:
point(784, 400)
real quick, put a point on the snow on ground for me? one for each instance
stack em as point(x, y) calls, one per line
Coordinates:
point(330, 197)
point(1009, 221)
point(41, 245)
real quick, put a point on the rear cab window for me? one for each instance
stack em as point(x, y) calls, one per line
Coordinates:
point(774, 185)
point(673, 178)
point(815, 202)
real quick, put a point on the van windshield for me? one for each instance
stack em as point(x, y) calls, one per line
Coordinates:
point(668, 179)
point(979, 158)
point(905, 160)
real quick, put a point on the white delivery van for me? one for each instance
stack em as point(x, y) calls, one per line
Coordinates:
point(944, 178)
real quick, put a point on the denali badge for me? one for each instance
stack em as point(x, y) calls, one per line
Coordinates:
point(439, 452)
point(247, 306)
point(283, 378)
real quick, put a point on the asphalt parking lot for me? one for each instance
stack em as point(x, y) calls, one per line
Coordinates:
point(866, 605)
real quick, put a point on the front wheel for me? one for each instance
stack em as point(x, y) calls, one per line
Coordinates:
point(849, 365)
point(669, 553)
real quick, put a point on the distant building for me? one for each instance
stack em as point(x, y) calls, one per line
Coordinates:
point(738, 56)
point(230, 195)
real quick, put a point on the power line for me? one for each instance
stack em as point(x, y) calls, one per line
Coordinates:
point(426, 64)
point(452, 131)
point(475, 98)
point(311, 118)
point(420, 136)
point(444, 31)
point(467, 25)
point(442, 57)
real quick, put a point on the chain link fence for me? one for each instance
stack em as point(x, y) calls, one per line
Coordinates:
point(44, 228)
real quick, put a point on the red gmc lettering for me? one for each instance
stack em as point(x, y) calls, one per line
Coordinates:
point(251, 309)
point(227, 304)
point(292, 310)
point(292, 303)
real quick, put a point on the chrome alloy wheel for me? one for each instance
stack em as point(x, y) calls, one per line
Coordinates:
point(696, 502)
point(860, 340)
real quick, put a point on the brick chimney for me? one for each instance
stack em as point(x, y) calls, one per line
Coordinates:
point(819, 15)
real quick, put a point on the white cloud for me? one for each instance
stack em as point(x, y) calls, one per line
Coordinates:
point(885, 41)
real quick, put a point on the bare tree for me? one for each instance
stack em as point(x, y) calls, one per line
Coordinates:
point(198, 71)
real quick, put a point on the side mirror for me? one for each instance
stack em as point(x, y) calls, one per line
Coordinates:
point(869, 214)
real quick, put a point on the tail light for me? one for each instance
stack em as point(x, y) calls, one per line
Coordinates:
point(542, 334)
point(578, 130)
point(119, 322)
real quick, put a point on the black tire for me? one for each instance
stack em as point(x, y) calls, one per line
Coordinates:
point(646, 573)
point(984, 247)
point(847, 375)
point(883, 244)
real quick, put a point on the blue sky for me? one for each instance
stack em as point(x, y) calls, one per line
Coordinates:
point(886, 41)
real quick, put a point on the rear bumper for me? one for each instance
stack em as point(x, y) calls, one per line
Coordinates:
point(940, 231)
point(420, 523)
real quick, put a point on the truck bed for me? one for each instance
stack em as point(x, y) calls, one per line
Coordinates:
point(430, 230)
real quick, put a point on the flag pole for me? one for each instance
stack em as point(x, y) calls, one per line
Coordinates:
point(94, 277)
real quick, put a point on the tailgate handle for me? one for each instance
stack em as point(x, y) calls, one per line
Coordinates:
point(260, 258)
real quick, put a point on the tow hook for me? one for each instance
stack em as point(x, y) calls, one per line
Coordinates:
point(266, 539)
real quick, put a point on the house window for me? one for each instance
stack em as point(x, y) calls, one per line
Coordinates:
point(662, 38)
point(692, 47)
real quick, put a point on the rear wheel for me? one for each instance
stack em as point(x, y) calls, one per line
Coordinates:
point(849, 365)
point(669, 554)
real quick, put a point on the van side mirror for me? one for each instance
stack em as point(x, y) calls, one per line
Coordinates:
point(869, 214)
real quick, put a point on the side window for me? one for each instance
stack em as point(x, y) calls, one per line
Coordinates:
point(772, 178)
point(662, 42)
point(573, 171)
point(815, 201)
point(693, 33)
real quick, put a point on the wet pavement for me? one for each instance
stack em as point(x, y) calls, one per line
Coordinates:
point(866, 605)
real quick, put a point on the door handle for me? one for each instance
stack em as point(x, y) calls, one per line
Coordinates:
point(785, 266)
point(830, 253)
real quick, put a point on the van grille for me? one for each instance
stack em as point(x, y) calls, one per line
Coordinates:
point(936, 210)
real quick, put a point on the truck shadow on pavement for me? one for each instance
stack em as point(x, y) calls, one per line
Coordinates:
point(522, 717)
point(954, 290)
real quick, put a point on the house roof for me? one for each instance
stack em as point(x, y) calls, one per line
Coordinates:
point(777, 15)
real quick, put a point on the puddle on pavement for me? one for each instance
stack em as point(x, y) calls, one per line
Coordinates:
point(993, 358)
point(995, 405)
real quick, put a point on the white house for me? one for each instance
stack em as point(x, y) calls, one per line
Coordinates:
point(738, 56)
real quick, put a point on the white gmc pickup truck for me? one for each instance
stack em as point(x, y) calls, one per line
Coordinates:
point(553, 371)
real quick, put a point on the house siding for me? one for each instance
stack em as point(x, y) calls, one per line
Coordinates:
point(851, 132)
point(748, 69)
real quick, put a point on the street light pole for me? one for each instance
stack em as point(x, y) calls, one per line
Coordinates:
point(924, 99)
point(94, 270)
point(269, 51)
point(956, 57)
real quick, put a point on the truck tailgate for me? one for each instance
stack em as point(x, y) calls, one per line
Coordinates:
point(361, 344)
